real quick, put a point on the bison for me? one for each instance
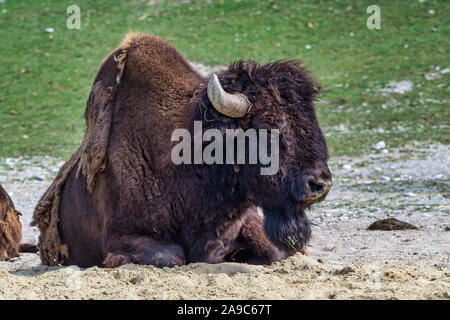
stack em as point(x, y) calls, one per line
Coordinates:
point(10, 228)
point(120, 198)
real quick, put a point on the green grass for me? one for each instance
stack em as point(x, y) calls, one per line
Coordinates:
point(45, 82)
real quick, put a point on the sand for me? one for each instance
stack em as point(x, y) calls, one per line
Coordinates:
point(298, 277)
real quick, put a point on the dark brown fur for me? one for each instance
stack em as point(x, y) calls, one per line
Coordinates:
point(120, 199)
point(10, 228)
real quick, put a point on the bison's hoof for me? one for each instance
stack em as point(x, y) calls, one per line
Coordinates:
point(116, 260)
point(166, 258)
point(304, 250)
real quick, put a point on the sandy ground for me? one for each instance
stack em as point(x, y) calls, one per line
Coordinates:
point(346, 261)
point(295, 278)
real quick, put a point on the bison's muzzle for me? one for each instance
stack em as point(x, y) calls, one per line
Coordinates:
point(313, 186)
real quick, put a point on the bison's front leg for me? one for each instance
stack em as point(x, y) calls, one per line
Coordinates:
point(243, 240)
point(253, 236)
point(142, 250)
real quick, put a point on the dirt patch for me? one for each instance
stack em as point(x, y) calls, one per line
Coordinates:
point(298, 277)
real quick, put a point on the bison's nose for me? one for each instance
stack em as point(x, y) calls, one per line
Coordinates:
point(318, 188)
point(313, 186)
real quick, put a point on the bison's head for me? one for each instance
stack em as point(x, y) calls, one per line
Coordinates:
point(279, 96)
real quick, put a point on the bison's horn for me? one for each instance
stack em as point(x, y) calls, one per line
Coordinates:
point(233, 105)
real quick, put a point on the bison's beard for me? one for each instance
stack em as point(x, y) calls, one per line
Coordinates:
point(287, 228)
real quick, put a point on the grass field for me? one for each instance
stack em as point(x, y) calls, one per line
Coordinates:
point(46, 77)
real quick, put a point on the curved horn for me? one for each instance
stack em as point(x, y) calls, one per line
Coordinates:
point(233, 105)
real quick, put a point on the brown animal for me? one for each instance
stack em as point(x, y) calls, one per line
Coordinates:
point(10, 228)
point(120, 199)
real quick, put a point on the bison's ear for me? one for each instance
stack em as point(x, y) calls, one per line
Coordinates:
point(98, 116)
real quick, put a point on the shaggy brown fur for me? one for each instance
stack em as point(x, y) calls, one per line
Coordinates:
point(10, 228)
point(119, 199)
point(242, 240)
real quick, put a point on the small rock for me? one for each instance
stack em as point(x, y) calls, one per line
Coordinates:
point(399, 87)
point(385, 178)
point(410, 194)
point(136, 280)
point(391, 274)
point(345, 270)
point(347, 166)
point(447, 228)
point(143, 17)
point(379, 145)
point(432, 76)
point(281, 270)
point(391, 224)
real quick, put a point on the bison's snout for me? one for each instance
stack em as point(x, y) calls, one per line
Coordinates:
point(313, 186)
point(318, 188)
